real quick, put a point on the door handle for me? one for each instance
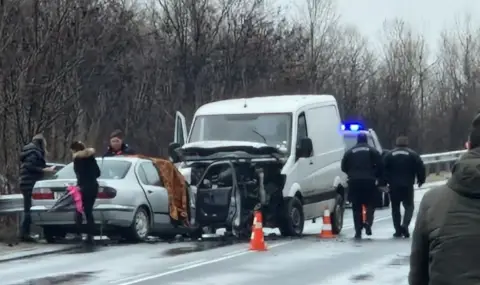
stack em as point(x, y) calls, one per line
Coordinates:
point(149, 191)
point(311, 162)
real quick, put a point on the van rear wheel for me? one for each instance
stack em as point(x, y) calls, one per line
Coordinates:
point(293, 220)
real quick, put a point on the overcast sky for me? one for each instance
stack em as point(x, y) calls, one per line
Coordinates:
point(427, 16)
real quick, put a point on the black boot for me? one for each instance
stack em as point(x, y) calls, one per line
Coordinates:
point(368, 230)
point(358, 235)
point(89, 244)
point(405, 232)
point(397, 234)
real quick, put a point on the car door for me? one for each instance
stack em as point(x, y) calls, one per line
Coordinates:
point(180, 132)
point(156, 193)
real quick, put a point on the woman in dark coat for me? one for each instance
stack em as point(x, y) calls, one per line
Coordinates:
point(32, 168)
point(87, 172)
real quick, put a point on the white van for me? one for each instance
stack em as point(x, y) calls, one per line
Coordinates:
point(300, 133)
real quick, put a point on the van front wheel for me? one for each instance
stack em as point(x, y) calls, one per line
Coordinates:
point(292, 222)
point(337, 215)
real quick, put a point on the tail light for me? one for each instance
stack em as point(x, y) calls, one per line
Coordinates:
point(42, 194)
point(106, 193)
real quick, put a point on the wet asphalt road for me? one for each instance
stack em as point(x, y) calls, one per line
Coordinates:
point(305, 261)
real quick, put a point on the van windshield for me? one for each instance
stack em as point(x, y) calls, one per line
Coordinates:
point(272, 129)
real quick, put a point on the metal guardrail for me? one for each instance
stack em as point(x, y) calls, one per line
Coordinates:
point(435, 163)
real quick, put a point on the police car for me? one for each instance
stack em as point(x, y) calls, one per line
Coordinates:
point(350, 133)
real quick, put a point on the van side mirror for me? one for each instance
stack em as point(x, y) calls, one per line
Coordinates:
point(304, 148)
point(172, 153)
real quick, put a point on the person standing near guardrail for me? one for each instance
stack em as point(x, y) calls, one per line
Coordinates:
point(87, 171)
point(32, 168)
point(363, 166)
point(401, 166)
point(117, 146)
point(445, 239)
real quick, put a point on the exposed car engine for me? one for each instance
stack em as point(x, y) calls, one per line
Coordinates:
point(229, 192)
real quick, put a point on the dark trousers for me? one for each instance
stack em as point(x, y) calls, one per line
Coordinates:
point(362, 193)
point(401, 195)
point(27, 216)
point(89, 195)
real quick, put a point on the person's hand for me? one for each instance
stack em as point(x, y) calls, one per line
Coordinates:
point(50, 169)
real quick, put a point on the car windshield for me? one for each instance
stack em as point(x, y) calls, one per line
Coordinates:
point(272, 129)
point(351, 141)
point(109, 169)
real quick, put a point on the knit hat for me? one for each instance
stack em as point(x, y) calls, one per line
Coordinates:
point(362, 138)
point(402, 141)
point(116, 134)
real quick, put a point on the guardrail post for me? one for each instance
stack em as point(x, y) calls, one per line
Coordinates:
point(438, 167)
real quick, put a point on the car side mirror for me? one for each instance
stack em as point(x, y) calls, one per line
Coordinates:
point(172, 153)
point(304, 148)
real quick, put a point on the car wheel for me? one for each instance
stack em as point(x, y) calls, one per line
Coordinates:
point(140, 227)
point(337, 215)
point(293, 219)
point(52, 234)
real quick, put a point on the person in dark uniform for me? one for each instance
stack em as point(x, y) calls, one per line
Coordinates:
point(87, 171)
point(363, 166)
point(117, 146)
point(401, 166)
point(32, 168)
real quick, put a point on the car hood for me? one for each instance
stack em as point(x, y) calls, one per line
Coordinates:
point(207, 148)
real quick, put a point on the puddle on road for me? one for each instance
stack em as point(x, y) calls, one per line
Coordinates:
point(400, 260)
point(199, 246)
point(77, 278)
point(362, 277)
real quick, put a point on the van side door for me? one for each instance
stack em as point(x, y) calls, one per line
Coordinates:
point(328, 150)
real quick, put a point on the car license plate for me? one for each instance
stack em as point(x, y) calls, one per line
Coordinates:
point(57, 195)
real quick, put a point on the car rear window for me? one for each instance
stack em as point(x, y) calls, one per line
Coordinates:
point(109, 169)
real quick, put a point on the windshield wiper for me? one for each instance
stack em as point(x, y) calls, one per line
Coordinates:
point(260, 135)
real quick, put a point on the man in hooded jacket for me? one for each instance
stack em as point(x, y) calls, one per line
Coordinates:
point(117, 146)
point(363, 166)
point(32, 168)
point(445, 247)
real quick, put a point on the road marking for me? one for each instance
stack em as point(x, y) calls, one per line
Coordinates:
point(230, 255)
point(187, 263)
point(192, 266)
point(130, 277)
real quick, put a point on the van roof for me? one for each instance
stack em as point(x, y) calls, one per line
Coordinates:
point(258, 105)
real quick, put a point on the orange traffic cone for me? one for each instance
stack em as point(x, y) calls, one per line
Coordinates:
point(257, 240)
point(327, 226)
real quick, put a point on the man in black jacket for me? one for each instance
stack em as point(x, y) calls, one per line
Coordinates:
point(32, 168)
point(117, 146)
point(87, 172)
point(401, 166)
point(363, 165)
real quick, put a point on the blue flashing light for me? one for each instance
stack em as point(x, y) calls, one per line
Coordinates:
point(353, 127)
